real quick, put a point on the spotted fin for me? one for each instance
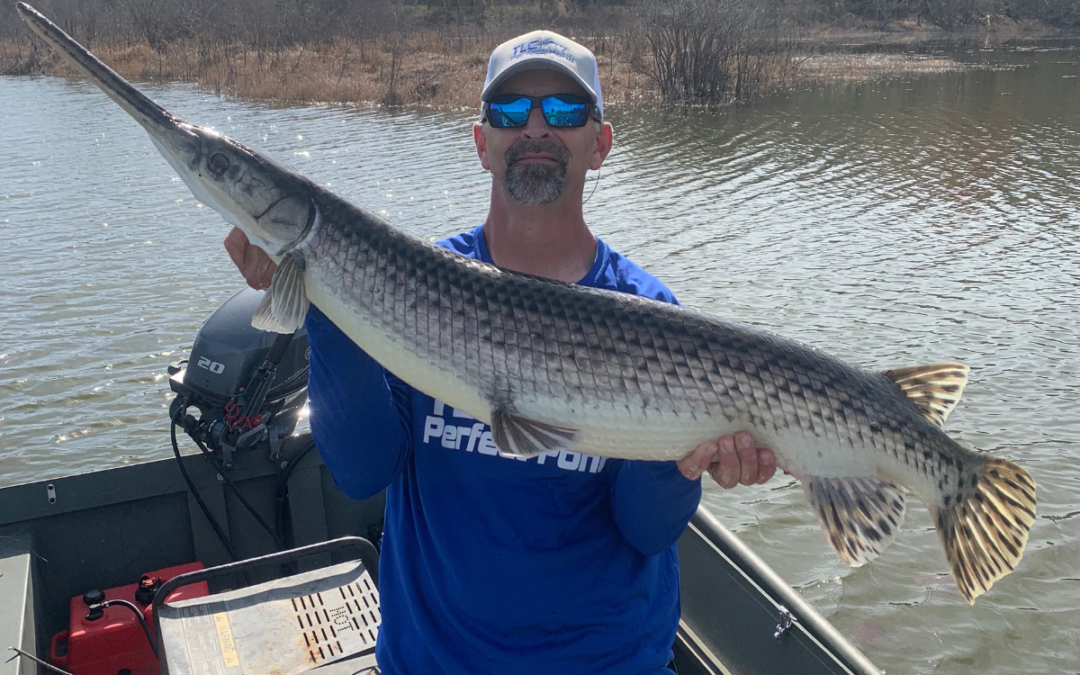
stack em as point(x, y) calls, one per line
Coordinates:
point(985, 527)
point(285, 305)
point(517, 435)
point(860, 515)
point(934, 389)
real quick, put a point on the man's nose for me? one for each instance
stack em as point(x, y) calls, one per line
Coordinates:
point(536, 126)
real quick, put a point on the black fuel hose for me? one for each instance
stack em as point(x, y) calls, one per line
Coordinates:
point(236, 491)
point(138, 613)
point(198, 499)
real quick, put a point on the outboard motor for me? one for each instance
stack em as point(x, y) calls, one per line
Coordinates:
point(248, 385)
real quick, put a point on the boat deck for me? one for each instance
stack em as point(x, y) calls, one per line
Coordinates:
point(60, 538)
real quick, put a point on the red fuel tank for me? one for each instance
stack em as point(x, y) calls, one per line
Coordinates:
point(115, 643)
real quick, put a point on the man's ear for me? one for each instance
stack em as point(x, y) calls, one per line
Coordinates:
point(481, 145)
point(604, 139)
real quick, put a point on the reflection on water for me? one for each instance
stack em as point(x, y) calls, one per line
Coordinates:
point(890, 223)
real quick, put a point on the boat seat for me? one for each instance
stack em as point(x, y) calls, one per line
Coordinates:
point(325, 620)
point(17, 591)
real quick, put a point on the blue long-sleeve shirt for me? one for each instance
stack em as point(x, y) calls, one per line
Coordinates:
point(563, 563)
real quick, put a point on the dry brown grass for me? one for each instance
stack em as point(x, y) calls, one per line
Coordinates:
point(422, 70)
point(427, 69)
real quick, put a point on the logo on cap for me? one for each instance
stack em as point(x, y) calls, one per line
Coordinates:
point(540, 46)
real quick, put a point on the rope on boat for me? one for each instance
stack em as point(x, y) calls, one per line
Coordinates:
point(36, 660)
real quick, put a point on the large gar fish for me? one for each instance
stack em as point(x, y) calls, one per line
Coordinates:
point(557, 366)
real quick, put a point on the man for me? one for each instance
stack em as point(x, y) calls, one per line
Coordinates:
point(563, 563)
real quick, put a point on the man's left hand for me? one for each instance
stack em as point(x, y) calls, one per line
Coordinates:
point(730, 460)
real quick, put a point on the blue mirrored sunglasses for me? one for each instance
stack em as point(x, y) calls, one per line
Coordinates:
point(511, 111)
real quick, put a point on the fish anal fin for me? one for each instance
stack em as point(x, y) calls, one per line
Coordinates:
point(934, 389)
point(522, 436)
point(984, 527)
point(860, 515)
point(285, 305)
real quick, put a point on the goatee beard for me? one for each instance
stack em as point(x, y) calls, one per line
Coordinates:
point(536, 184)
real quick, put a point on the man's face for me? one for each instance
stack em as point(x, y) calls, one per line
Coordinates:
point(536, 164)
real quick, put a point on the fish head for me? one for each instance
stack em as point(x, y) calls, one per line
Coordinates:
point(270, 203)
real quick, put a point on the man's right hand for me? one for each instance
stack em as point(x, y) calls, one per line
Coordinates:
point(730, 460)
point(257, 267)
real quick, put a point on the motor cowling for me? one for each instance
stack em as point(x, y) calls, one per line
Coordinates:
point(218, 379)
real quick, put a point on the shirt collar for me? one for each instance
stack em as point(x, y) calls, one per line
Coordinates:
point(591, 278)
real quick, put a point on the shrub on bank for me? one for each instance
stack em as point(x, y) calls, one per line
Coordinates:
point(713, 52)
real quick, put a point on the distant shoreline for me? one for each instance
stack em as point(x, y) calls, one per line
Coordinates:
point(420, 72)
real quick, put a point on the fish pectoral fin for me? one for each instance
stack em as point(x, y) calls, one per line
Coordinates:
point(935, 389)
point(525, 437)
point(285, 305)
point(860, 515)
point(984, 526)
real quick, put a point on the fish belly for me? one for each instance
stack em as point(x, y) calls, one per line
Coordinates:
point(623, 427)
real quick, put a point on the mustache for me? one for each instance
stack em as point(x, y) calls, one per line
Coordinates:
point(522, 148)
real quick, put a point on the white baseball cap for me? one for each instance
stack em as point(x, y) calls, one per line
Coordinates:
point(542, 49)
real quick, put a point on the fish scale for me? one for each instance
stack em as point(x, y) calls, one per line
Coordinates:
point(554, 366)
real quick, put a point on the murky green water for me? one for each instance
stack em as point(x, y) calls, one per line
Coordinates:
point(892, 224)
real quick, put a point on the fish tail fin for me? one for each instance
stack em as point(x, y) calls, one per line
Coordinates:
point(984, 525)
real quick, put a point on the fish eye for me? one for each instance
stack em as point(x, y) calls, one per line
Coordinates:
point(217, 163)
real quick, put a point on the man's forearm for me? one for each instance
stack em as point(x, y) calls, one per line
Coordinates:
point(652, 502)
point(357, 421)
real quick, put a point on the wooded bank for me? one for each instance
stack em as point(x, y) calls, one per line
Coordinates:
point(386, 52)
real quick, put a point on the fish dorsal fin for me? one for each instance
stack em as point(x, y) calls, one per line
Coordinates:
point(935, 389)
point(285, 305)
point(518, 435)
point(860, 515)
